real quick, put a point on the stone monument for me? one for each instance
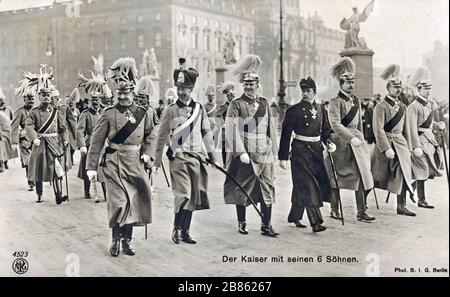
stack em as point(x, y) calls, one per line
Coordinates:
point(356, 49)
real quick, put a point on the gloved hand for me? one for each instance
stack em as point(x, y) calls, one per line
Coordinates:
point(66, 143)
point(441, 125)
point(331, 147)
point(283, 164)
point(145, 158)
point(91, 174)
point(37, 142)
point(83, 150)
point(245, 158)
point(355, 142)
point(418, 152)
point(390, 154)
point(155, 170)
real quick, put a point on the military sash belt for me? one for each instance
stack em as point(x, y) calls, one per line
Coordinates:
point(48, 123)
point(428, 121)
point(123, 134)
point(395, 120)
point(348, 118)
point(182, 132)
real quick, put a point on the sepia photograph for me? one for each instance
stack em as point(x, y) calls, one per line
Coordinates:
point(233, 140)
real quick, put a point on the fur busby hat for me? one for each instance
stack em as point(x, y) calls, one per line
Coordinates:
point(145, 86)
point(226, 87)
point(247, 68)
point(185, 77)
point(344, 70)
point(124, 73)
point(392, 75)
point(308, 83)
point(421, 78)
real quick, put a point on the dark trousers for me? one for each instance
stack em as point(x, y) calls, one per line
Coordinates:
point(265, 210)
point(31, 183)
point(183, 220)
point(126, 231)
point(57, 186)
point(401, 199)
point(313, 213)
point(360, 197)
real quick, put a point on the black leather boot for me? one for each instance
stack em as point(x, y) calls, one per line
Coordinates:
point(127, 248)
point(176, 235)
point(186, 237)
point(242, 227)
point(114, 249)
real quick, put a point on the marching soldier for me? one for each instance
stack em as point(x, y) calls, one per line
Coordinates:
point(426, 159)
point(252, 134)
point(391, 159)
point(18, 132)
point(352, 156)
point(6, 149)
point(45, 129)
point(85, 127)
point(129, 133)
point(311, 185)
point(186, 122)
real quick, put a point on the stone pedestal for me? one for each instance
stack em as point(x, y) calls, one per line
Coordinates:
point(364, 71)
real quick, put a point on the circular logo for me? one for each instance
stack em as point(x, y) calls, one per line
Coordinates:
point(20, 266)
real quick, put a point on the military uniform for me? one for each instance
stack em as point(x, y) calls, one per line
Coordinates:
point(351, 162)
point(311, 185)
point(19, 137)
point(44, 163)
point(420, 124)
point(187, 125)
point(392, 175)
point(71, 126)
point(85, 127)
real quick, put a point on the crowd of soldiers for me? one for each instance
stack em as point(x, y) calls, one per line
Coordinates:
point(122, 140)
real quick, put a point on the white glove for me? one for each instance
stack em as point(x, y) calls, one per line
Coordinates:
point(145, 158)
point(66, 143)
point(283, 164)
point(37, 142)
point(155, 170)
point(331, 147)
point(355, 142)
point(91, 174)
point(418, 152)
point(390, 154)
point(83, 150)
point(245, 158)
point(441, 125)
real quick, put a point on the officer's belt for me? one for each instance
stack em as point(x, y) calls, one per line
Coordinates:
point(125, 147)
point(45, 135)
point(307, 138)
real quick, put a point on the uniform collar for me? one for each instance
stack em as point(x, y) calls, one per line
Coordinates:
point(392, 101)
point(422, 100)
point(344, 95)
point(123, 109)
point(250, 100)
point(181, 104)
point(47, 109)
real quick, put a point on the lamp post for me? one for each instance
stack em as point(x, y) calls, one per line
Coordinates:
point(282, 89)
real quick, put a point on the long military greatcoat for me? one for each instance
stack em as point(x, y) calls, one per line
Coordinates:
point(352, 164)
point(420, 123)
point(249, 128)
point(311, 184)
point(390, 134)
point(127, 182)
point(18, 135)
point(45, 157)
point(6, 151)
point(189, 177)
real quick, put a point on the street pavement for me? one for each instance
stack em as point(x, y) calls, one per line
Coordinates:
point(72, 239)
